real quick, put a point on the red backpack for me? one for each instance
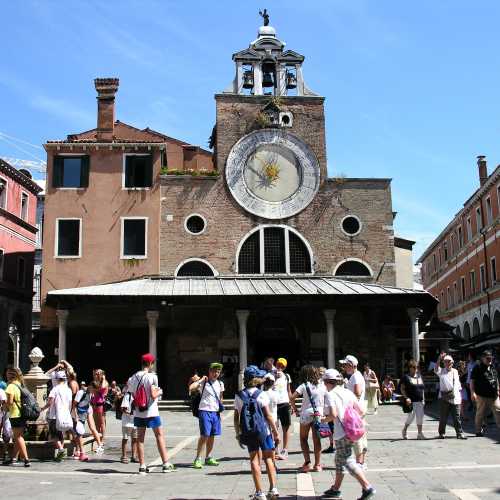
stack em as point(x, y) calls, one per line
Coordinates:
point(140, 396)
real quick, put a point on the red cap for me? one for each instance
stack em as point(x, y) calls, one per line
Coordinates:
point(148, 358)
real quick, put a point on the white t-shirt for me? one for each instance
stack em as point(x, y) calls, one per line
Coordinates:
point(357, 378)
point(62, 397)
point(273, 403)
point(281, 387)
point(338, 398)
point(318, 395)
point(262, 401)
point(209, 401)
point(3, 396)
point(449, 380)
point(147, 380)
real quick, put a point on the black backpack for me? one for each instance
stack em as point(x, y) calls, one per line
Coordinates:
point(195, 402)
point(29, 408)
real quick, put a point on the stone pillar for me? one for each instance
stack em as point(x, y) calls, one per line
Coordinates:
point(62, 317)
point(330, 336)
point(239, 78)
point(152, 323)
point(242, 315)
point(36, 380)
point(300, 80)
point(414, 314)
point(257, 78)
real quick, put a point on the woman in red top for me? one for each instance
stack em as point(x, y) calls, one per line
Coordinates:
point(97, 401)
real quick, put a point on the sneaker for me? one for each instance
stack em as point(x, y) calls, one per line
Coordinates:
point(99, 450)
point(368, 493)
point(259, 496)
point(330, 449)
point(167, 467)
point(273, 494)
point(143, 470)
point(479, 434)
point(461, 436)
point(27, 463)
point(59, 455)
point(420, 435)
point(284, 454)
point(83, 457)
point(198, 464)
point(331, 493)
point(404, 433)
point(441, 436)
point(211, 461)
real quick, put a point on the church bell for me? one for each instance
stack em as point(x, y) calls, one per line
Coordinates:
point(291, 80)
point(248, 79)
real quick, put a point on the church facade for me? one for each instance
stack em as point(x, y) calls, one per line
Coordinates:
point(250, 252)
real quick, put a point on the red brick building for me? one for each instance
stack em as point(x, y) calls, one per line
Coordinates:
point(255, 252)
point(18, 202)
point(460, 266)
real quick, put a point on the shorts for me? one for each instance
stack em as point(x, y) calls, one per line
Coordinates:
point(209, 423)
point(284, 414)
point(147, 422)
point(266, 445)
point(129, 432)
point(53, 432)
point(98, 408)
point(307, 416)
point(17, 423)
point(361, 446)
point(344, 456)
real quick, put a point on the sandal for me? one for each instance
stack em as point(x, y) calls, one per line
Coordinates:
point(306, 467)
point(317, 468)
point(124, 460)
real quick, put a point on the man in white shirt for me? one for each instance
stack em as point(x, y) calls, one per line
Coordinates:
point(148, 418)
point(357, 385)
point(337, 399)
point(212, 393)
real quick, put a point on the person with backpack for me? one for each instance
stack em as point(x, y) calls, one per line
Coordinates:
point(59, 403)
point(342, 407)
point(125, 405)
point(84, 413)
point(208, 406)
point(17, 416)
point(255, 428)
point(145, 390)
point(313, 396)
point(283, 389)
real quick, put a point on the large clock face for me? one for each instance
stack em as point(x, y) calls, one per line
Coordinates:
point(272, 174)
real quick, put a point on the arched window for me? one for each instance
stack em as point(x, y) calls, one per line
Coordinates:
point(466, 331)
point(496, 321)
point(475, 327)
point(274, 250)
point(353, 268)
point(458, 332)
point(195, 267)
point(486, 324)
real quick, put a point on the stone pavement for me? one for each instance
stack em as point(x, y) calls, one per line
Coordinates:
point(432, 469)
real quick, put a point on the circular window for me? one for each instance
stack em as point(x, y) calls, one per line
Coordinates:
point(351, 225)
point(195, 224)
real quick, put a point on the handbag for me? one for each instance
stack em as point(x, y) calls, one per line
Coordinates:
point(322, 429)
point(407, 408)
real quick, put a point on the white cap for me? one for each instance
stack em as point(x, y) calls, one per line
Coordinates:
point(269, 376)
point(448, 358)
point(332, 374)
point(61, 375)
point(350, 359)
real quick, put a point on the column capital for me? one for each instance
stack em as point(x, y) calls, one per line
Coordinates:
point(62, 315)
point(152, 315)
point(414, 313)
point(242, 315)
point(329, 314)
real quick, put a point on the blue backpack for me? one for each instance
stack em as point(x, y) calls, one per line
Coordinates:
point(253, 424)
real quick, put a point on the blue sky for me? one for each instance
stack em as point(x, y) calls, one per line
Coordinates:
point(412, 88)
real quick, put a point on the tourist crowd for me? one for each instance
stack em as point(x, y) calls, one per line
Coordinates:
point(333, 406)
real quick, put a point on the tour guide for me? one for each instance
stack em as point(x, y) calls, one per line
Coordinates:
point(212, 392)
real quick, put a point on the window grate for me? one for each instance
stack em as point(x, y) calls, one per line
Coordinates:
point(300, 261)
point(274, 250)
point(249, 258)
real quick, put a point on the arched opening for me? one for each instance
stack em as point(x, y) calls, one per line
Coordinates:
point(475, 327)
point(458, 331)
point(486, 324)
point(496, 321)
point(352, 268)
point(466, 331)
point(274, 250)
point(195, 267)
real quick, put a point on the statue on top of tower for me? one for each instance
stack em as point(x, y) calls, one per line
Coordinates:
point(264, 14)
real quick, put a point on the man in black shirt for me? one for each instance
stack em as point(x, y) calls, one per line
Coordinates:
point(485, 389)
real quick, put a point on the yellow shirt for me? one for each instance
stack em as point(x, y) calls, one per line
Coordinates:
point(15, 410)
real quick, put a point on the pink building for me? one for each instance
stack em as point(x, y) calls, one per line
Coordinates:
point(18, 200)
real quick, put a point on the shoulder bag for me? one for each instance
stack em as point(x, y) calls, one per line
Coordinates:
point(322, 429)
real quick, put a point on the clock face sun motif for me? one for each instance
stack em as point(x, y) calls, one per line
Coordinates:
point(272, 174)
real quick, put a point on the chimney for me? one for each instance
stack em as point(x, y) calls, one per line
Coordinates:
point(106, 90)
point(483, 169)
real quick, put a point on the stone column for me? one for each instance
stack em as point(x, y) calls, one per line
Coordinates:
point(239, 78)
point(152, 322)
point(62, 317)
point(330, 336)
point(257, 78)
point(414, 314)
point(242, 315)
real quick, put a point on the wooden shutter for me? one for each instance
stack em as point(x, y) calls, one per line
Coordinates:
point(57, 171)
point(84, 171)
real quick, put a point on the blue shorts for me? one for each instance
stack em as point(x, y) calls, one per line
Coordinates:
point(148, 422)
point(209, 423)
point(266, 445)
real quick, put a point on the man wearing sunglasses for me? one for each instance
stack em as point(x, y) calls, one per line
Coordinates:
point(485, 391)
